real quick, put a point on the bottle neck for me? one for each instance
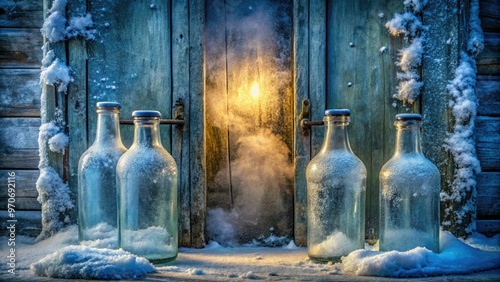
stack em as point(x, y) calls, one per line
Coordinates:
point(407, 138)
point(336, 137)
point(147, 132)
point(108, 126)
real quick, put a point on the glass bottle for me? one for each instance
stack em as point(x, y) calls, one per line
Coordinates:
point(147, 179)
point(336, 189)
point(409, 193)
point(97, 207)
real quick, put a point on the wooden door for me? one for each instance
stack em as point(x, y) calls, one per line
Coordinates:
point(249, 119)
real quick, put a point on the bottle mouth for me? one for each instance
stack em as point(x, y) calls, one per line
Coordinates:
point(407, 120)
point(112, 105)
point(146, 114)
point(337, 112)
point(405, 117)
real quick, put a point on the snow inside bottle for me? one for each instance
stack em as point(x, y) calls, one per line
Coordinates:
point(147, 179)
point(97, 207)
point(336, 188)
point(409, 193)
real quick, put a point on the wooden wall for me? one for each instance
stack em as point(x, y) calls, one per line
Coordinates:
point(20, 60)
point(488, 120)
point(20, 57)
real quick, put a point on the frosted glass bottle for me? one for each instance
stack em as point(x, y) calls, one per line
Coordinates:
point(336, 189)
point(409, 193)
point(147, 179)
point(97, 207)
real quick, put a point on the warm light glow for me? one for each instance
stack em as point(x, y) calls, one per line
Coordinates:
point(254, 91)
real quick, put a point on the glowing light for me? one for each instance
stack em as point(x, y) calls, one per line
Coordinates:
point(254, 91)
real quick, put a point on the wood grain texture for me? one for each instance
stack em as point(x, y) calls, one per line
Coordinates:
point(216, 86)
point(180, 137)
point(21, 13)
point(363, 79)
point(20, 48)
point(488, 61)
point(488, 142)
point(76, 102)
point(129, 62)
point(23, 204)
point(489, 13)
point(18, 143)
point(29, 223)
point(437, 118)
point(197, 122)
point(302, 154)
point(25, 183)
point(317, 69)
point(488, 95)
point(488, 195)
point(20, 92)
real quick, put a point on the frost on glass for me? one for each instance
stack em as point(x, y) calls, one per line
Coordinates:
point(409, 195)
point(147, 181)
point(336, 187)
point(97, 206)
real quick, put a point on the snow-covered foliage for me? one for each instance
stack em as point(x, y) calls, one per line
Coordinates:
point(410, 57)
point(57, 73)
point(58, 142)
point(57, 28)
point(81, 262)
point(463, 104)
point(54, 194)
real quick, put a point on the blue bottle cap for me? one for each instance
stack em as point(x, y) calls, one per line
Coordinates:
point(108, 105)
point(403, 117)
point(337, 112)
point(146, 113)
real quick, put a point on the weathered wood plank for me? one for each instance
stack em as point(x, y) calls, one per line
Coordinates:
point(180, 137)
point(488, 142)
point(317, 69)
point(438, 69)
point(20, 92)
point(488, 227)
point(18, 143)
point(302, 154)
point(21, 13)
point(488, 94)
point(77, 101)
point(489, 13)
point(488, 61)
point(20, 48)
point(488, 195)
point(29, 223)
point(129, 62)
point(197, 121)
point(216, 81)
point(25, 183)
point(363, 79)
point(23, 204)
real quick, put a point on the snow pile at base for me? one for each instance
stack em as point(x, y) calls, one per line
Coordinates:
point(409, 24)
point(336, 244)
point(81, 262)
point(102, 235)
point(455, 257)
point(53, 193)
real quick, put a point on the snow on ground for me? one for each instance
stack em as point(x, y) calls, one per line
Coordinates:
point(216, 262)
